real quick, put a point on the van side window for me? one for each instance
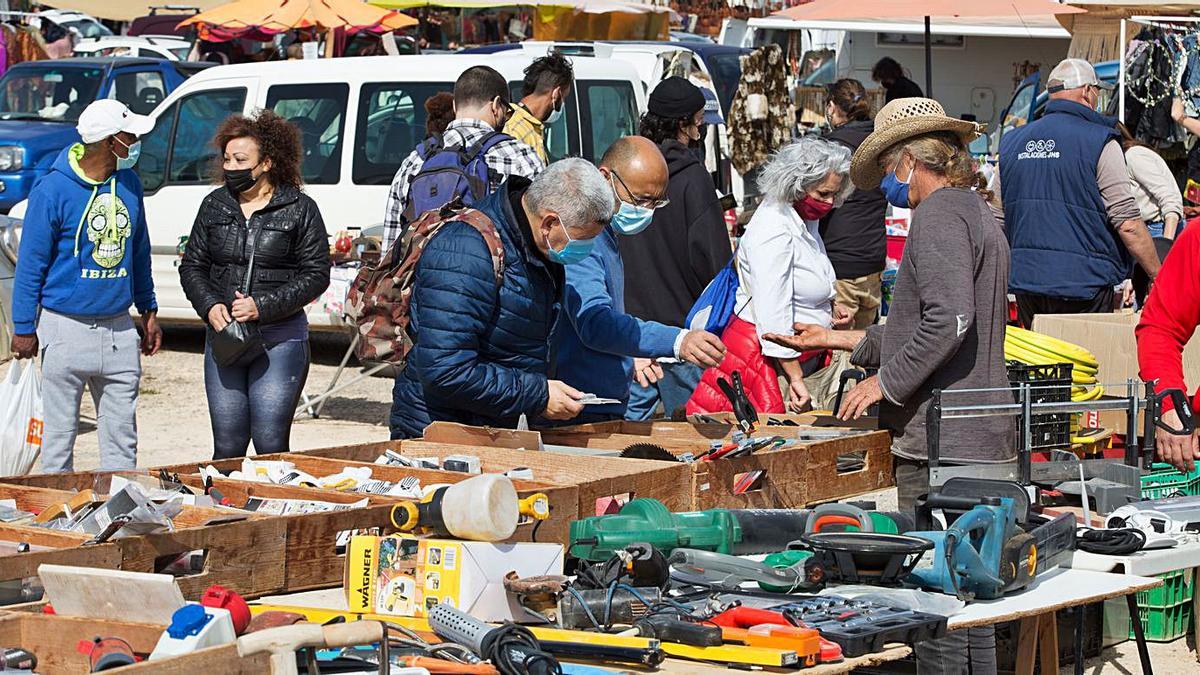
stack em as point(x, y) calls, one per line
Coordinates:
point(391, 122)
point(608, 111)
point(200, 114)
point(562, 138)
point(319, 112)
point(152, 166)
point(141, 90)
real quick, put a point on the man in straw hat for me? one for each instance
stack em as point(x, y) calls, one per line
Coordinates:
point(1072, 218)
point(946, 326)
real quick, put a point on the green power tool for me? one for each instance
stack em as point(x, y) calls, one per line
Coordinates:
point(730, 531)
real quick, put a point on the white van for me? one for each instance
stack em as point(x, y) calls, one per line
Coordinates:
point(360, 118)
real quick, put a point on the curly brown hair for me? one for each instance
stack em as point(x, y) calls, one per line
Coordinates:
point(277, 140)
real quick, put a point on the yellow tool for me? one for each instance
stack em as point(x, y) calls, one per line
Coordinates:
point(482, 508)
point(751, 656)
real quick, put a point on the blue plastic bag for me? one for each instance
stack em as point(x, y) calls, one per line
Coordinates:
point(715, 306)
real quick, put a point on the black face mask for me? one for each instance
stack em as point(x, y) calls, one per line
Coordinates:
point(239, 180)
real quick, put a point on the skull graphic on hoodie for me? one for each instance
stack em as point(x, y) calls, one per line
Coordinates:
point(108, 228)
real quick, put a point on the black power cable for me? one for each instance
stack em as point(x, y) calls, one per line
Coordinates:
point(513, 650)
point(1110, 542)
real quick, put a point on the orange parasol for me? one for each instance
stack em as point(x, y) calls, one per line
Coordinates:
point(832, 10)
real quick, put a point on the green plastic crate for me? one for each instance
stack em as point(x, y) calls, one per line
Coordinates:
point(1164, 624)
point(1177, 587)
point(1165, 481)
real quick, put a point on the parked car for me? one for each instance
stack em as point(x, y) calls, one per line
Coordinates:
point(83, 25)
point(40, 102)
point(359, 118)
point(167, 47)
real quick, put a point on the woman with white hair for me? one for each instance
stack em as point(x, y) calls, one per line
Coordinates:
point(786, 278)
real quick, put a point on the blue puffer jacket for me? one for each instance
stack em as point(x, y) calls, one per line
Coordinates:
point(480, 356)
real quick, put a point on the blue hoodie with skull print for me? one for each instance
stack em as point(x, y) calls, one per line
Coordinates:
point(85, 249)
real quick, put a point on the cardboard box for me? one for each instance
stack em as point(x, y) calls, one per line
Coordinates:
point(405, 576)
point(1110, 337)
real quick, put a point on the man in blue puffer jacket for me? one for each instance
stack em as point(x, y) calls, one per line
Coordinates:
point(481, 354)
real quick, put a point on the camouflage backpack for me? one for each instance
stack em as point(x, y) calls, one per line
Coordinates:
point(378, 300)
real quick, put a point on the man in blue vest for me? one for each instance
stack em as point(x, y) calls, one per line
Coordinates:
point(1072, 221)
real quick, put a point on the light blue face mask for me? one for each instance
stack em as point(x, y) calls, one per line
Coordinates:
point(129, 161)
point(895, 190)
point(576, 250)
point(631, 219)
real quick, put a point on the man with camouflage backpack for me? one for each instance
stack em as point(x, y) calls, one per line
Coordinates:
point(469, 160)
point(480, 292)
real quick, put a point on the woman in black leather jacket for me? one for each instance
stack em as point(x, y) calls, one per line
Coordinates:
point(259, 208)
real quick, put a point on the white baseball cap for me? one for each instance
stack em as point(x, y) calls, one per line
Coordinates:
point(107, 117)
point(1072, 74)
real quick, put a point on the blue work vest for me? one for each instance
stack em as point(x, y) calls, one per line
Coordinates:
point(1057, 226)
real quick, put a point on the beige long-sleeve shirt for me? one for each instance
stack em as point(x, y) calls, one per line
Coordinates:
point(1153, 184)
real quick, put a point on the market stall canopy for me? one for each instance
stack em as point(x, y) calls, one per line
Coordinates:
point(586, 6)
point(818, 10)
point(120, 10)
point(261, 19)
point(1095, 36)
point(572, 19)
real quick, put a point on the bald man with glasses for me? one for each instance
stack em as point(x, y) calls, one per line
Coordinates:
point(597, 343)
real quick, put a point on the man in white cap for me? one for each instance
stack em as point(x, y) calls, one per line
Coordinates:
point(84, 259)
point(1072, 219)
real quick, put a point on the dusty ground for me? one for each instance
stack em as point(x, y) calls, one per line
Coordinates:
point(174, 427)
point(173, 424)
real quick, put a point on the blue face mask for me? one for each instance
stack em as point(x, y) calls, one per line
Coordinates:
point(631, 219)
point(129, 161)
point(576, 250)
point(895, 190)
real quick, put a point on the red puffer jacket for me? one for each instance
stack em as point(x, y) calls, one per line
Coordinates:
point(742, 353)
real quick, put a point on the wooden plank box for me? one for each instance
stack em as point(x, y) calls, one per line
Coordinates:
point(564, 506)
point(312, 557)
point(603, 482)
point(245, 555)
point(53, 640)
point(792, 477)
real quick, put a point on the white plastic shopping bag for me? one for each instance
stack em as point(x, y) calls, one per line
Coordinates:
point(20, 418)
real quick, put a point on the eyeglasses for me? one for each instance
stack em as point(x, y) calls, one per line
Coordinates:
point(644, 202)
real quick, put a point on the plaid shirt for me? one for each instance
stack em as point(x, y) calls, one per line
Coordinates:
point(528, 129)
point(506, 158)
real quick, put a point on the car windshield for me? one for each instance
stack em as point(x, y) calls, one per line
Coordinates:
point(43, 92)
point(87, 29)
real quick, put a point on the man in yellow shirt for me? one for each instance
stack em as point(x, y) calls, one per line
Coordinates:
point(547, 85)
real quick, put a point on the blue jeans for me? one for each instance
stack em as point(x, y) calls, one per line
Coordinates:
point(256, 400)
point(673, 391)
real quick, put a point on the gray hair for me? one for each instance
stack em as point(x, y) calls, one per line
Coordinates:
point(800, 165)
point(575, 190)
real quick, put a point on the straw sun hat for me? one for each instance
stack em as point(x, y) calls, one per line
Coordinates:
point(897, 121)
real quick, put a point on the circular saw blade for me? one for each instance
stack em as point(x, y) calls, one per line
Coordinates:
point(649, 451)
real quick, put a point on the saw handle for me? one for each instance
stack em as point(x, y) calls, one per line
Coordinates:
point(1179, 402)
point(838, 514)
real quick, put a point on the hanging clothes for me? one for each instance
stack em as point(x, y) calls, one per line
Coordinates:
point(1156, 64)
point(761, 117)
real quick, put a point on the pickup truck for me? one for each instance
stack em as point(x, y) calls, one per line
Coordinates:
point(40, 102)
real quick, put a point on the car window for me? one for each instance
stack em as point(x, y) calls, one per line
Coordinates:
point(562, 137)
point(141, 90)
point(86, 28)
point(48, 93)
point(319, 112)
point(181, 53)
point(200, 114)
point(391, 122)
point(608, 112)
point(152, 164)
point(1018, 109)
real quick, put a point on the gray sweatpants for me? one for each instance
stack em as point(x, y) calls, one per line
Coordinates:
point(102, 353)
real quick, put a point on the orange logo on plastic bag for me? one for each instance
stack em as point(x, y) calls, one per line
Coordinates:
point(34, 434)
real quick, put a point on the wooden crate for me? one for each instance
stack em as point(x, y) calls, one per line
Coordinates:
point(602, 481)
point(563, 499)
point(243, 552)
point(62, 549)
point(312, 557)
point(793, 477)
